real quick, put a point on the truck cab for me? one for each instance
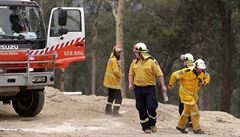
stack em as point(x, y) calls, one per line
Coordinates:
point(29, 55)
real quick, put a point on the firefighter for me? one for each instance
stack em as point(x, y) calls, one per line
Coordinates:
point(142, 79)
point(191, 81)
point(188, 61)
point(112, 81)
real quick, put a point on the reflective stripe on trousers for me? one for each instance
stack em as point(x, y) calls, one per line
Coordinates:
point(146, 104)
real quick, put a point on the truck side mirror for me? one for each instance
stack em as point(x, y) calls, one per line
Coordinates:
point(62, 31)
point(62, 17)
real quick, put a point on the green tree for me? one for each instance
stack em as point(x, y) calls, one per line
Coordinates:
point(211, 21)
point(47, 5)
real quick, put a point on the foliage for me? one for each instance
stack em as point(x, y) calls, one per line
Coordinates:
point(169, 28)
point(47, 5)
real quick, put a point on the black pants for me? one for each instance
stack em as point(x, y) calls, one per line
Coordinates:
point(113, 95)
point(180, 108)
point(146, 104)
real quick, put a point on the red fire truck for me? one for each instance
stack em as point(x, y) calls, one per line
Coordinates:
point(29, 54)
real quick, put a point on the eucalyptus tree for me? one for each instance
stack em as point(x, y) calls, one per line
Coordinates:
point(118, 10)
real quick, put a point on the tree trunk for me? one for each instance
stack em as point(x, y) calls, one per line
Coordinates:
point(93, 41)
point(227, 47)
point(120, 39)
point(41, 3)
point(93, 54)
point(74, 78)
point(62, 88)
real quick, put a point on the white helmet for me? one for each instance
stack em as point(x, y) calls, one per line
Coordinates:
point(187, 57)
point(140, 47)
point(200, 64)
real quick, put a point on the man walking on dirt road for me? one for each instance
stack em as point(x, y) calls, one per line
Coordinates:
point(142, 78)
point(188, 61)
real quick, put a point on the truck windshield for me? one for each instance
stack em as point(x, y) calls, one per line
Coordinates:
point(21, 22)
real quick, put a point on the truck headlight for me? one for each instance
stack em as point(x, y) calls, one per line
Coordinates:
point(39, 79)
point(30, 69)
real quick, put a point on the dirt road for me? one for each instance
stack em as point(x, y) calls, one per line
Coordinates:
point(83, 116)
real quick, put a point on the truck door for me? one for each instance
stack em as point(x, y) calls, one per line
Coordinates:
point(66, 36)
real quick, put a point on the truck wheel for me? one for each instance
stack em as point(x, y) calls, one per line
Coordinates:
point(28, 103)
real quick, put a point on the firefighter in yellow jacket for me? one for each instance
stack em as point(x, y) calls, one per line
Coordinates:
point(112, 81)
point(188, 61)
point(191, 81)
point(142, 78)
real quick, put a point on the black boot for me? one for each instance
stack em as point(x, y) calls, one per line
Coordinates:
point(189, 123)
point(116, 111)
point(199, 131)
point(182, 130)
point(108, 109)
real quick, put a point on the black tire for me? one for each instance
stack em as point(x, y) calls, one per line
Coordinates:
point(28, 103)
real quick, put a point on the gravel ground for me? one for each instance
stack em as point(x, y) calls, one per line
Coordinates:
point(83, 116)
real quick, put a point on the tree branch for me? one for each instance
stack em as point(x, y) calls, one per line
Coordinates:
point(114, 11)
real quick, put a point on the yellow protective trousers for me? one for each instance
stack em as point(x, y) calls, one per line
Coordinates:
point(193, 111)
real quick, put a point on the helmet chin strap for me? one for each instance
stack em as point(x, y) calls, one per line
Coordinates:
point(141, 56)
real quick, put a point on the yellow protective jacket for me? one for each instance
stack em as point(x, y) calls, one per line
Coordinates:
point(189, 84)
point(144, 73)
point(112, 78)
